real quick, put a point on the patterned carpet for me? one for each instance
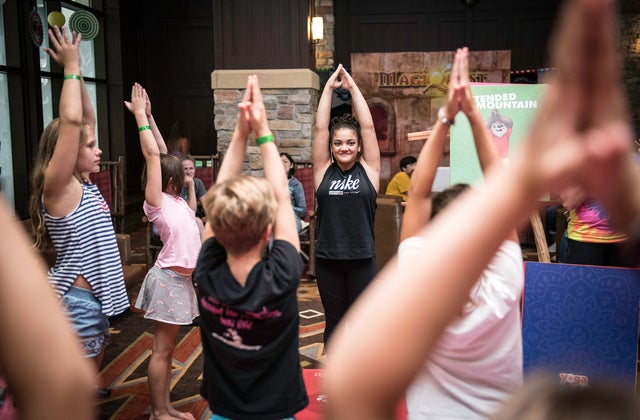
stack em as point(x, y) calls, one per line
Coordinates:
point(125, 363)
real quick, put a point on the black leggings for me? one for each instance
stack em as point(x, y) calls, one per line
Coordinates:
point(340, 282)
point(608, 255)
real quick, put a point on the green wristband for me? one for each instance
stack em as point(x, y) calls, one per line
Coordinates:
point(144, 127)
point(265, 139)
point(72, 76)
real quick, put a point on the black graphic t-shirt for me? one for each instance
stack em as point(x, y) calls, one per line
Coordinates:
point(250, 334)
point(346, 210)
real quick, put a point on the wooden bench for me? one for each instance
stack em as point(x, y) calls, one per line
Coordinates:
point(110, 182)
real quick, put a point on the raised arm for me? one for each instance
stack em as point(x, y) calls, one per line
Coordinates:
point(60, 384)
point(59, 183)
point(488, 155)
point(191, 200)
point(426, 294)
point(88, 113)
point(231, 165)
point(320, 150)
point(157, 135)
point(149, 146)
point(285, 225)
point(370, 149)
point(418, 208)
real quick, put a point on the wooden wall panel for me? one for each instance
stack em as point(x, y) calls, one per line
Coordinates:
point(258, 34)
point(385, 32)
point(522, 27)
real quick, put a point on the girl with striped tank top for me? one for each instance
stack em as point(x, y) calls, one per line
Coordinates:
point(68, 211)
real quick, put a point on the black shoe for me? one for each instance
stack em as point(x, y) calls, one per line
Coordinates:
point(103, 392)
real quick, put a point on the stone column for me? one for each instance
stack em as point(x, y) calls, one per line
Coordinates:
point(290, 98)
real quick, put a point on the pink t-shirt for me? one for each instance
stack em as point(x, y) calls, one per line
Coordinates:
point(176, 224)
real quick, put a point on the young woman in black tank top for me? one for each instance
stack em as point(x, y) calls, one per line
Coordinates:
point(346, 166)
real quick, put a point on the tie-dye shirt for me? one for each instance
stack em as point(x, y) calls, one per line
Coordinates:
point(590, 223)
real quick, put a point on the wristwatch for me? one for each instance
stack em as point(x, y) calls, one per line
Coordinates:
point(443, 118)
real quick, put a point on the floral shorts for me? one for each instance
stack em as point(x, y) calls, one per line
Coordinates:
point(167, 296)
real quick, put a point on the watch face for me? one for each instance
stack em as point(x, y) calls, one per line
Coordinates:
point(443, 118)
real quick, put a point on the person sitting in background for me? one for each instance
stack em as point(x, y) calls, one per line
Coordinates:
point(295, 191)
point(591, 239)
point(399, 184)
point(199, 190)
point(178, 144)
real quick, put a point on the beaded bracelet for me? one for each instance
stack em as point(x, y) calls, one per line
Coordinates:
point(265, 139)
point(144, 127)
point(72, 76)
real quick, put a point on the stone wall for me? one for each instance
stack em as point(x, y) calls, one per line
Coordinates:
point(290, 98)
point(325, 47)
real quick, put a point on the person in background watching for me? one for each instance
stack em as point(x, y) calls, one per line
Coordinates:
point(296, 191)
point(399, 184)
point(178, 143)
point(193, 190)
point(581, 135)
point(591, 239)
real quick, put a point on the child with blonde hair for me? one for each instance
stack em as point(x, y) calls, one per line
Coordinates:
point(247, 293)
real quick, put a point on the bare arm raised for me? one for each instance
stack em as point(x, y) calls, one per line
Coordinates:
point(567, 143)
point(285, 225)
point(149, 146)
point(60, 385)
point(157, 135)
point(485, 148)
point(320, 150)
point(418, 208)
point(61, 191)
point(370, 149)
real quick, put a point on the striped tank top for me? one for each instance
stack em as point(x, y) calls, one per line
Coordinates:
point(86, 245)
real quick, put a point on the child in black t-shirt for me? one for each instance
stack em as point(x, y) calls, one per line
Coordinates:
point(247, 295)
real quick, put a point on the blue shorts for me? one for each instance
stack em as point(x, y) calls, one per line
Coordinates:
point(89, 323)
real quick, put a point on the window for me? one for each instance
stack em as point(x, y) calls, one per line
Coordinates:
point(30, 88)
point(6, 164)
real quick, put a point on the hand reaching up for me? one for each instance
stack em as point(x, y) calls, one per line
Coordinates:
point(65, 51)
point(581, 132)
point(256, 112)
point(336, 81)
point(138, 102)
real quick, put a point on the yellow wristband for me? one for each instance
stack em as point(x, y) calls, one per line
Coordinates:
point(265, 139)
point(72, 76)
